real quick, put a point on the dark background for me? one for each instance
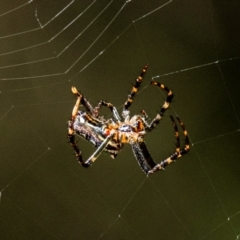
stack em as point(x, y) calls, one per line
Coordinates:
point(100, 47)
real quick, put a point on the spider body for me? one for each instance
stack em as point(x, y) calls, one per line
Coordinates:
point(110, 135)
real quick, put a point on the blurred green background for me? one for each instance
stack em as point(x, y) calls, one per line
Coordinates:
point(100, 47)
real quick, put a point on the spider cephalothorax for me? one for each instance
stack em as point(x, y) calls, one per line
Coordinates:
point(110, 135)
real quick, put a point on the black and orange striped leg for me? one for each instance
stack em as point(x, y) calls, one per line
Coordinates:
point(88, 106)
point(179, 152)
point(134, 89)
point(84, 102)
point(78, 153)
point(111, 107)
point(186, 147)
point(144, 118)
point(164, 107)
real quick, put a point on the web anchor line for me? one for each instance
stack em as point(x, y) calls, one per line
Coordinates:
point(195, 67)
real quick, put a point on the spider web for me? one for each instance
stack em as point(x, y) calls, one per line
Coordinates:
point(100, 46)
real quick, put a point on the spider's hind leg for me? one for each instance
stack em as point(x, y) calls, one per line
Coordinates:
point(178, 150)
point(84, 102)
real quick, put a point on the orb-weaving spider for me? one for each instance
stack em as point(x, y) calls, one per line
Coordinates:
point(110, 135)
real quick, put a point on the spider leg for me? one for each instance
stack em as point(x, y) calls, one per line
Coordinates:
point(133, 92)
point(94, 156)
point(111, 107)
point(164, 107)
point(178, 150)
point(143, 156)
point(140, 157)
point(99, 150)
point(186, 147)
point(84, 102)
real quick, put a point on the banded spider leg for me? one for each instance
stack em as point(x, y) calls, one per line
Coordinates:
point(139, 148)
point(179, 151)
point(134, 90)
point(112, 109)
point(84, 102)
point(165, 105)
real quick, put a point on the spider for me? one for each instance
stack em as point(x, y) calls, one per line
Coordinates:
point(110, 135)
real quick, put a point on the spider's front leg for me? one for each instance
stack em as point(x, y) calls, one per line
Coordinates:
point(112, 109)
point(164, 107)
point(134, 90)
point(95, 111)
